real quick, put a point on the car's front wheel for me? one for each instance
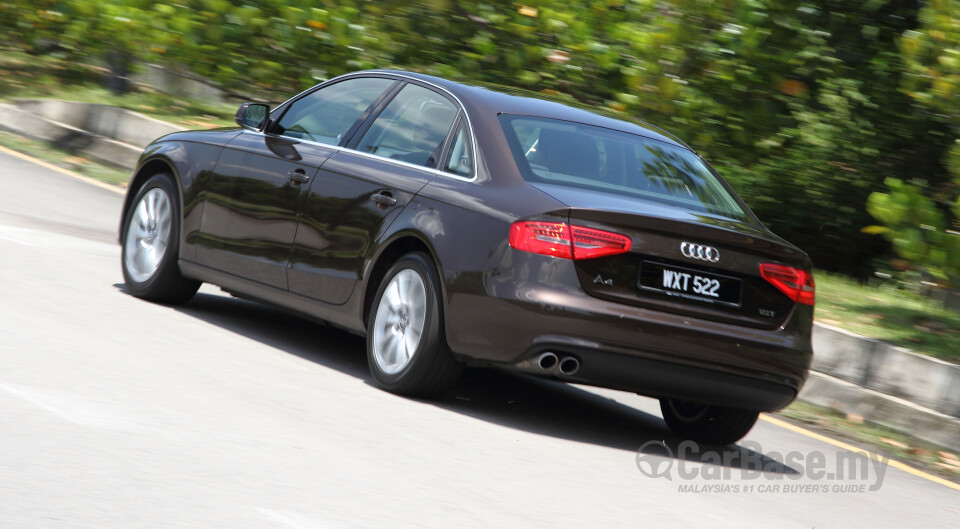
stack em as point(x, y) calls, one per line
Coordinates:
point(151, 237)
point(406, 349)
point(706, 423)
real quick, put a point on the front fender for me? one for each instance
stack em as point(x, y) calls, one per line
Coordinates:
point(191, 163)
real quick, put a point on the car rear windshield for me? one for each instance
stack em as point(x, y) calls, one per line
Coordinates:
point(584, 156)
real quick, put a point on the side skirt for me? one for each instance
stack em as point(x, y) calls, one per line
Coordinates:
point(347, 316)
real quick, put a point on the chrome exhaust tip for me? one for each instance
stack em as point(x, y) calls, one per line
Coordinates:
point(569, 366)
point(547, 361)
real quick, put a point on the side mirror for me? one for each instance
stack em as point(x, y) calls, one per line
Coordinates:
point(252, 116)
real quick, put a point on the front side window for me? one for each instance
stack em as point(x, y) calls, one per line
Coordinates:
point(584, 156)
point(326, 115)
point(411, 128)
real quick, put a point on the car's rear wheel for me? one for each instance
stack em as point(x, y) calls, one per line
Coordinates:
point(406, 349)
point(706, 423)
point(151, 244)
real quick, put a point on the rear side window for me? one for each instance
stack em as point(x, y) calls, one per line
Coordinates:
point(412, 127)
point(578, 155)
point(460, 160)
point(326, 115)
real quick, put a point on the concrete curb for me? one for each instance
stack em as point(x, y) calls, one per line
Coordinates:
point(109, 135)
point(116, 123)
point(891, 370)
point(178, 84)
point(893, 412)
point(70, 139)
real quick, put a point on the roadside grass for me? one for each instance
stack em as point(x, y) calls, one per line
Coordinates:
point(885, 313)
point(24, 76)
point(875, 438)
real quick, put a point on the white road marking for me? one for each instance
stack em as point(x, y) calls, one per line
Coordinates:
point(11, 239)
point(285, 519)
point(71, 408)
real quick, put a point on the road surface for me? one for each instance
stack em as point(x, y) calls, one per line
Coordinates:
point(118, 413)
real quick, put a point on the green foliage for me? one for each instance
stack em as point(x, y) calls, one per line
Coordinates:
point(806, 106)
point(32, 25)
point(818, 206)
point(931, 77)
point(932, 56)
point(917, 228)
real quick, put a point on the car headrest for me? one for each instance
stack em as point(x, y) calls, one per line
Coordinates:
point(569, 153)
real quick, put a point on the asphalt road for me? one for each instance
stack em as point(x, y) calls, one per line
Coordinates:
point(118, 413)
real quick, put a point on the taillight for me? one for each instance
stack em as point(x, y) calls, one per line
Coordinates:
point(547, 238)
point(589, 243)
point(797, 284)
point(569, 242)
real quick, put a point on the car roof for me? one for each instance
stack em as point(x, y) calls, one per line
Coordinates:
point(506, 100)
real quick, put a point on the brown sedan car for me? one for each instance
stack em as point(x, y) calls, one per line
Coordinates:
point(453, 224)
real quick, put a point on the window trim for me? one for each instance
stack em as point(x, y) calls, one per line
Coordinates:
point(391, 93)
point(393, 161)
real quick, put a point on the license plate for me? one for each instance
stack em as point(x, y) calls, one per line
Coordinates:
point(689, 284)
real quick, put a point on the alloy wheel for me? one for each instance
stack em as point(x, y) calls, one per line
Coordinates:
point(399, 321)
point(148, 235)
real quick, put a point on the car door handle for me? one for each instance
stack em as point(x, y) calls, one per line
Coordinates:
point(383, 199)
point(298, 176)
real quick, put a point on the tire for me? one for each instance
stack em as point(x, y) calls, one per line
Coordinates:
point(151, 244)
point(406, 349)
point(705, 423)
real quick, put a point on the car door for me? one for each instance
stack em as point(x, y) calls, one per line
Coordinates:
point(359, 191)
point(260, 181)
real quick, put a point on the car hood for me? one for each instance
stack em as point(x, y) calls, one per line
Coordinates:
point(213, 136)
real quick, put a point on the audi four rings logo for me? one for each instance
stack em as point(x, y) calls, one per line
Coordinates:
point(699, 251)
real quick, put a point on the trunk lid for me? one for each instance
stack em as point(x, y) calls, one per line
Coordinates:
point(682, 261)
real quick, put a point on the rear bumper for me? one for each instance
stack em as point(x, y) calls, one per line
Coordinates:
point(631, 348)
point(656, 378)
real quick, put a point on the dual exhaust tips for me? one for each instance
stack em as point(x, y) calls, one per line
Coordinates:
point(550, 362)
